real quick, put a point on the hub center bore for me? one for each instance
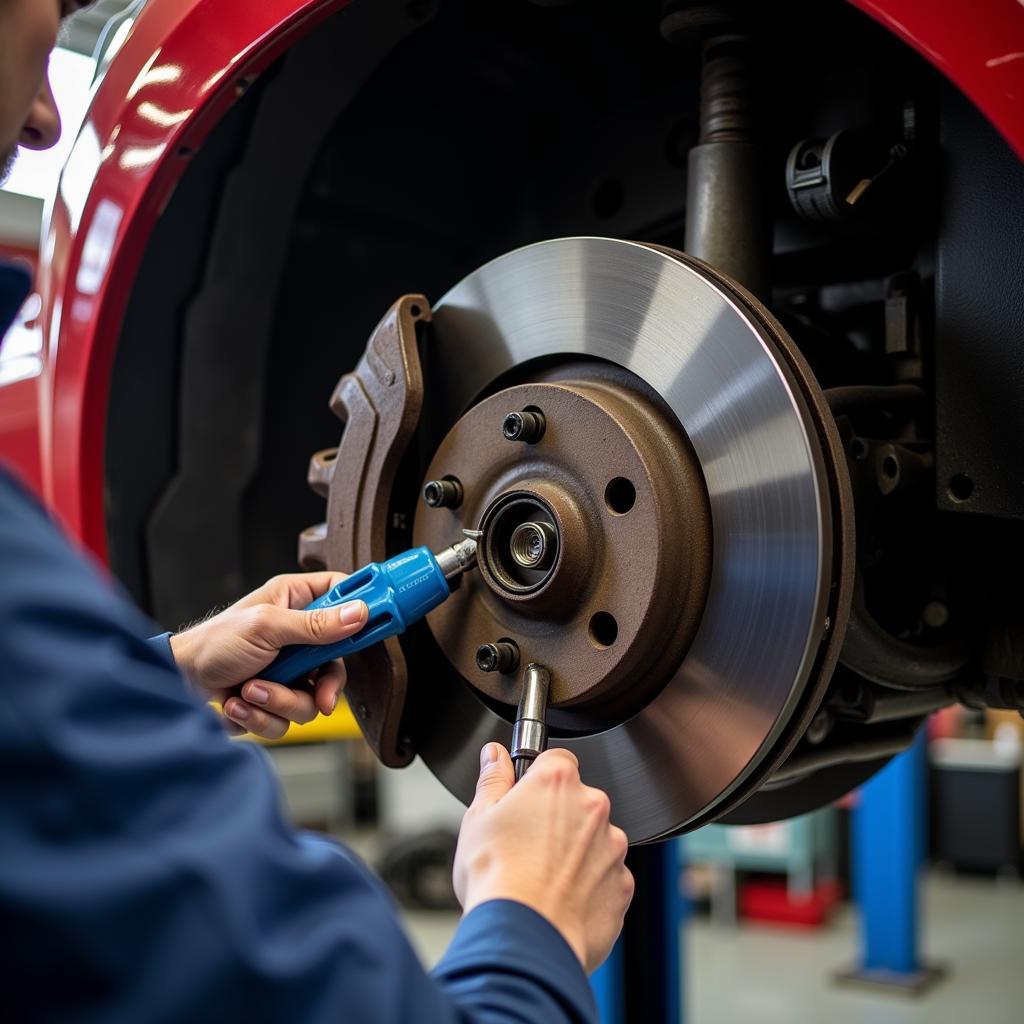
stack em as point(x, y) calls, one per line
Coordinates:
point(521, 543)
point(533, 545)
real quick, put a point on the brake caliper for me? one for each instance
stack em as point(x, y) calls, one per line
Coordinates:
point(380, 404)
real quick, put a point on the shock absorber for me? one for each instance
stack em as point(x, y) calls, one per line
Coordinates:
point(727, 219)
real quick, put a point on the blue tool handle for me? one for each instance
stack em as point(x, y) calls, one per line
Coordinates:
point(397, 593)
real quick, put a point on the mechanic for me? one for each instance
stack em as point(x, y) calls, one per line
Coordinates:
point(146, 871)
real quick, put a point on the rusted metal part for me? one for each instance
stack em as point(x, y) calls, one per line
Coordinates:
point(619, 489)
point(380, 404)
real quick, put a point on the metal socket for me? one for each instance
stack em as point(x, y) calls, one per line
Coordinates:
point(530, 731)
point(457, 559)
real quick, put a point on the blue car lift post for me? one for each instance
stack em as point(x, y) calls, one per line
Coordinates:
point(642, 980)
point(888, 846)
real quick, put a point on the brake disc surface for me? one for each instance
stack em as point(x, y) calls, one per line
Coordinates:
point(719, 721)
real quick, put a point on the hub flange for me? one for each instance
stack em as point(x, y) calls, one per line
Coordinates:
point(612, 500)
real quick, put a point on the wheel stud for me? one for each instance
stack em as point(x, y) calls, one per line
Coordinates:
point(523, 426)
point(502, 657)
point(445, 493)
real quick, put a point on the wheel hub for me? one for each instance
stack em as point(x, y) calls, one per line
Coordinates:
point(598, 567)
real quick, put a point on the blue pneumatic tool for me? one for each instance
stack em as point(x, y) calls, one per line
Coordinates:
point(397, 593)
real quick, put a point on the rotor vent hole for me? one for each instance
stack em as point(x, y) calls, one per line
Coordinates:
point(890, 467)
point(961, 487)
point(620, 495)
point(603, 629)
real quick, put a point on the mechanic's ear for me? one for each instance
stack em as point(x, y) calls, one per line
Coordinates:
point(41, 129)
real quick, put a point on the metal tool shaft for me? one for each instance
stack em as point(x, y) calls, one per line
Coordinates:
point(530, 731)
point(457, 559)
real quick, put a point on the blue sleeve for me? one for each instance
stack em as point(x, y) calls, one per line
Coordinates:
point(527, 962)
point(147, 873)
point(162, 643)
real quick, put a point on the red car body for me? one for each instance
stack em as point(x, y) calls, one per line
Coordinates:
point(178, 72)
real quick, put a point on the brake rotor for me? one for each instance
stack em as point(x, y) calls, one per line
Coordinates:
point(688, 494)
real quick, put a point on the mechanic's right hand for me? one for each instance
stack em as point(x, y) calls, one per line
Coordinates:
point(546, 842)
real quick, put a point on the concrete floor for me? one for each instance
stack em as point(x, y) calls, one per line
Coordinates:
point(771, 975)
point(781, 976)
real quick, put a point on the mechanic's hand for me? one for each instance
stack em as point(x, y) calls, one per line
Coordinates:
point(546, 842)
point(223, 656)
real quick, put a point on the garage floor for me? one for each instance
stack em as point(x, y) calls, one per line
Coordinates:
point(780, 976)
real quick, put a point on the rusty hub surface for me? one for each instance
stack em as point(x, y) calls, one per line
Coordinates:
point(612, 500)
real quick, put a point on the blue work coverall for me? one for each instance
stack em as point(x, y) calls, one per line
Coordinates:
point(146, 871)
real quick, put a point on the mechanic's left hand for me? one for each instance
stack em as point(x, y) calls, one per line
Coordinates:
point(223, 656)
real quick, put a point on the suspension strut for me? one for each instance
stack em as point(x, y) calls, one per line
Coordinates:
point(727, 220)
